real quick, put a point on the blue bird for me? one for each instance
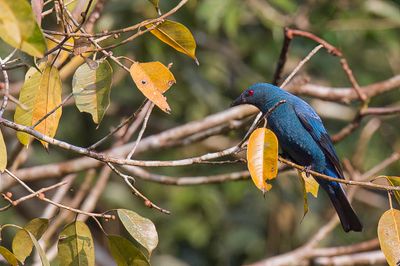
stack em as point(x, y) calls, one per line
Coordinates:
point(304, 140)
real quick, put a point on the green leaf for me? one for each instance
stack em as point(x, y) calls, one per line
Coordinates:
point(22, 244)
point(91, 88)
point(18, 27)
point(395, 182)
point(389, 236)
point(3, 153)
point(125, 253)
point(40, 94)
point(75, 245)
point(42, 255)
point(177, 36)
point(8, 256)
point(140, 228)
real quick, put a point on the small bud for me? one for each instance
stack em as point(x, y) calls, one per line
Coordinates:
point(41, 196)
point(148, 204)
point(9, 195)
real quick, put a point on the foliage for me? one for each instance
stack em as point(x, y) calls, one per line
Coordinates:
point(237, 43)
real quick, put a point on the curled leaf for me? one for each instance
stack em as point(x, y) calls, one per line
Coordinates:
point(262, 157)
point(8, 256)
point(3, 154)
point(153, 79)
point(389, 236)
point(140, 228)
point(91, 87)
point(395, 182)
point(177, 36)
point(22, 243)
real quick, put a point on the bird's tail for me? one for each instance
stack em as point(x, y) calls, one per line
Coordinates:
point(347, 216)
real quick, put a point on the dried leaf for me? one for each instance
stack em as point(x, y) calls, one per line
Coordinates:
point(177, 36)
point(40, 94)
point(395, 182)
point(125, 253)
point(19, 29)
point(389, 236)
point(140, 228)
point(262, 157)
point(75, 245)
point(3, 153)
point(153, 79)
point(81, 45)
point(8, 256)
point(91, 89)
point(22, 244)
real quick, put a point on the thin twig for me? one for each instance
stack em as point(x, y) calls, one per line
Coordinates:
point(144, 125)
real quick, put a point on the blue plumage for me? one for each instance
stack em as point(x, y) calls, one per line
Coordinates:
point(304, 140)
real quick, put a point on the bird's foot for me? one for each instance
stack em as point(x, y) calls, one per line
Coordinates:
point(307, 170)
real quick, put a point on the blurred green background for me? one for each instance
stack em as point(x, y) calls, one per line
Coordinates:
point(238, 44)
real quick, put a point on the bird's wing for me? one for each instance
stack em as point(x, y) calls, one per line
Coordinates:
point(312, 122)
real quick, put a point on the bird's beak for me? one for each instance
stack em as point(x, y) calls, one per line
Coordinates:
point(239, 100)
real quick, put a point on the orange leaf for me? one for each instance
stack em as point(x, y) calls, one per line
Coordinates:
point(389, 236)
point(262, 157)
point(153, 79)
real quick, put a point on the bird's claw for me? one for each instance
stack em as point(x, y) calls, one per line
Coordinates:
point(307, 170)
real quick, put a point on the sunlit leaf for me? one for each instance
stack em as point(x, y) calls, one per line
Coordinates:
point(22, 244)
point(19, 29)
point(140, 228)
point(75, 245)
point(311, 185)
point(3, 153)
point(262, 157)
point(125, 253)
point(389, 236)
point(395, 182)
point(91, 87)
point(40, 94)
point(8, 256)
point(177, 36)
point(153, 79)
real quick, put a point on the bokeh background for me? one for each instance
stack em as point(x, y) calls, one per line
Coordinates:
point(238, 44)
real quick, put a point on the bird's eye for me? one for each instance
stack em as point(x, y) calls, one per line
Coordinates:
point(250, 93)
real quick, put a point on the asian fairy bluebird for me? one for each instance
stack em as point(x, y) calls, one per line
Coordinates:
point(304, 140)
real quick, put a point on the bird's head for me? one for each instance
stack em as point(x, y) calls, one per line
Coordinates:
point(261, 95)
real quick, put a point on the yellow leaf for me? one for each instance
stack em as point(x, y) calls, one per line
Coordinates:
point(310, 184)
point(177, 36)
point(262, 157)
point(3, 154)
point(389, 236)
point(40, 94)
point(395, 182)
point(153, 79)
